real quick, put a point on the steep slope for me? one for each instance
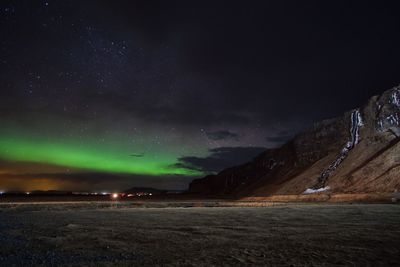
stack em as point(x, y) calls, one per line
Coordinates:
point(355, 153)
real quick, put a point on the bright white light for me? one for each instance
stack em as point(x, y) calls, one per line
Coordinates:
point(28, 193)
point(115, 195)
point(150, 194)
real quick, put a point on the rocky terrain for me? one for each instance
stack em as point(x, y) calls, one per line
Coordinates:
point(95, 234)
point(356, 153)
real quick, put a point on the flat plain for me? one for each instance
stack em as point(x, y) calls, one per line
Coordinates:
point(165, 234)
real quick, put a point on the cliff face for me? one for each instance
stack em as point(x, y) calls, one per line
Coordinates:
point(356, 153)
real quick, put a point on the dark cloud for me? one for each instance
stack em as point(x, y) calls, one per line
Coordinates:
point(222, 135)
point(280, 138)
point(137, 155)
point(220, 158)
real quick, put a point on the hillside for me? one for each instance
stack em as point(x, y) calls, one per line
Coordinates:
point(358, 152)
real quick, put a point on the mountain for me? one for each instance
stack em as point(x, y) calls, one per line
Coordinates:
point(358, 152)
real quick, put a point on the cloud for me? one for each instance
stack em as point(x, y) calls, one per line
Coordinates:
point(220, 158)
point(279, 138)
point(137, 155)
point(222, 135)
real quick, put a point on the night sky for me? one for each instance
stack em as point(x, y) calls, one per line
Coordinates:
point(107, 95)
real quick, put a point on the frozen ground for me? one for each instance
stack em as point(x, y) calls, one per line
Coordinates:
point(92, 234)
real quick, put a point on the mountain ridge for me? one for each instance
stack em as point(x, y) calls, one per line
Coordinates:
point(357, 152)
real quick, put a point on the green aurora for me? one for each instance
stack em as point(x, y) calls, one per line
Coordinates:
point(83, 155)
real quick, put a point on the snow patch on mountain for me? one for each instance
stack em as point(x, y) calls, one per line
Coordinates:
point(355, 124)
point(313, 191)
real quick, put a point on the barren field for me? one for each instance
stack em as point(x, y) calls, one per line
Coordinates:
point(103, 234)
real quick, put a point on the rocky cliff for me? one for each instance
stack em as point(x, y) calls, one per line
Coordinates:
point(356, 153)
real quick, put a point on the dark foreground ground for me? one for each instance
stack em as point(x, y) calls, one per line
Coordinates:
point(103, 234)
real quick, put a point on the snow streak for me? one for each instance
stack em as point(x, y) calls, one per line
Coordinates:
point(356, 123)
point(396, 98)
point(313, 191)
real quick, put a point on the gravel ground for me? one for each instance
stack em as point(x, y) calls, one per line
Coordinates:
point(111, 235)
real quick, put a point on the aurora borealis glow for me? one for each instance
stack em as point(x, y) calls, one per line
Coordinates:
point(74, 154)
point(89, 158)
